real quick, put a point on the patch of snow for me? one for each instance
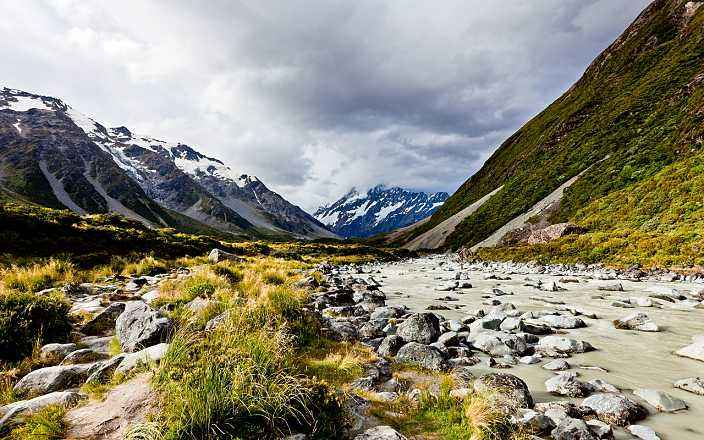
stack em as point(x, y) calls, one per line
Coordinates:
point(385, 211)
point(17, 127)
point(26, 103)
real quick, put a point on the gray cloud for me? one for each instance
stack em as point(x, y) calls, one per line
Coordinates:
point(314, 96)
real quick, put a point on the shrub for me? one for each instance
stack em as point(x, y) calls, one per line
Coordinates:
point(26, 317)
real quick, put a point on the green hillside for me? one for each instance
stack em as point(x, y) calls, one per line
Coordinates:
point(640, 105)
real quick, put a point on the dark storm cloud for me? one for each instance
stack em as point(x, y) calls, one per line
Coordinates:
point(315, 96)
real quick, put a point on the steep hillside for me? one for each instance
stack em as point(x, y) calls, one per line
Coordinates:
point(638, 108)
point(379, 210)
point(57, 157)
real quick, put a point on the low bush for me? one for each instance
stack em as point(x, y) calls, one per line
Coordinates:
point(26, 318)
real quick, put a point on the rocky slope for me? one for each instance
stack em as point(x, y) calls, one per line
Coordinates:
point(638, 108)
point(379, 210)
point(58, 157)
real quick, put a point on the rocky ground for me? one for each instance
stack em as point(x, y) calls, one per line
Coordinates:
point(589, 353)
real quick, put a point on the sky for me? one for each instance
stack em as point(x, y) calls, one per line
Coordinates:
point(314, 96)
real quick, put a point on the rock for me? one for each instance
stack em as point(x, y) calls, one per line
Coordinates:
point(387, 312)
point(102, 371)
point(693, 351)
point(563, 322)
point(424, 356)
point(601, 386)
point(49, 379)
point(558, 345)
point(126, 405)
point(390, 346)
point(217, 255)
point(83, 356)
point(55, 352)
point(380, 433)
point(643, 432)
point(661, 401)
point(637, 321)
point(600, 429)
point(534, 422)
point(535, 328)
point(103, 322)
point(506, 384)
point(448, 339)
point(572, 429)
point(372, 329)
point(641, 301)
point(618, 287)
point(615, 409)
point(500, 344)
point(199, 304)
point(216, 321)
point(13, 412)
point(140, 326)
point(692, 384)
point(97, 343)
point(566, 384)
point(529, 360)
point(343, 331)
point(553, 232)
point(557, 365)
point(423, 328)
point(143, 357)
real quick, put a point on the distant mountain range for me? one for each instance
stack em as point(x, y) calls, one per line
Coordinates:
point(54, 156)
point(380, 209)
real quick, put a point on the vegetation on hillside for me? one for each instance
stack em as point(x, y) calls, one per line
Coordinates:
point(640, 105)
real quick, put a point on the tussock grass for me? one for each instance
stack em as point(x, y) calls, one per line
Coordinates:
point(45, 424)
point(38, 276)
point(146, 266)
point(336, 363)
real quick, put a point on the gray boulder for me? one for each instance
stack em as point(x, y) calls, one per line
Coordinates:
point(692, 384)
point(563, 322)
point(558, 345)
point(83, 356)
point(380, 433)
point(693, 351)
point(566, 384)
point(55, 352)
point(140, 326)
point(390, 346)
point(142, 357)
point(637, 321)
point(49, 379)
point(103, 322)
point(572, 429)
point(615, 409)
point(342, 330)
point(661, 401)
point(13, 412)
point(508, 385)
point(643, 432)
point(102, 371)
point(500, 344)
point(423, 328)
point(424, 356)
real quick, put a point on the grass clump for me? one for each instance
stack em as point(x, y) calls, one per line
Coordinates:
point(146, 266)
point(38, 276)
point(45, 424)
point(26, 319)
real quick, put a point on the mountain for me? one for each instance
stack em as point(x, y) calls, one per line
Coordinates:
point(53, 155)
point(602, 147)
point(380, 210)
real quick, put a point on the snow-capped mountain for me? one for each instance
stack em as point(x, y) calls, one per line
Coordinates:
point(380, 209)
point(54, 155)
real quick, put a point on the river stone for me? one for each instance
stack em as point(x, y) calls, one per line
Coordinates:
point(380, 433)
point(506, 384)
point(140, 326)
point(500, 344)
point(600, 429)
point(55, 352)
point(58, 378)
point(387, 312)
point(572, 429)
point(601, 386)
point(563, 322)
point(566, 384)
point(425, 356)
point(423, 328)
point(142, 357)
point(560, 345)
point(534, 422)
point(692, 384)
point(693, 351)
point(637, 321)
point(390, 346)
point(557, 365)
point(615, 409)
point(643, 432)
point(661, 401)
point(13, 412)
point(83, 356)
point(342, 330)
point(448, 339)
point(103, 322)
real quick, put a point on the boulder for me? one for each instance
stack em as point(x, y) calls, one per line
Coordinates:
point(423, 328)
point(693, 351)
point(566, 384)
point(13, 412)
point(217, 255)
point(506, 384)
point(142, 357)
point(661, 401)
point(615, 409)
point(557, 365)
point(83, 356)
point(637, 321)
point(49, 379)
point(558, 345)
point(390, 346)
point(55, 352)
point(424, 356)
point(380, 433)
point(643, 432)
point(692, 384)
point(534, 422)
point(572, 429)
point(102, 371)
point(342, 330)
point(140, 326)
point(387, 312)
point(563, 322)
point(103, 322)
point(500, 344)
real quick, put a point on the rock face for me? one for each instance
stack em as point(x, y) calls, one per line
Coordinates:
point(380, 210)
point(615, 409)
point(553, 232)
point(507, 384)
point(380, 433)
point(423, 328)
point(425, 356)
point(126, 405)
point(49, 379)
point(140, 326)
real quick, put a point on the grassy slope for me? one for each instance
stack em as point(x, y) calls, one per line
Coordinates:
point(638, 102)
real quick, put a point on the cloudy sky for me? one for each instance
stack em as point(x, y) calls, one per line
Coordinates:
point(313, 96)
